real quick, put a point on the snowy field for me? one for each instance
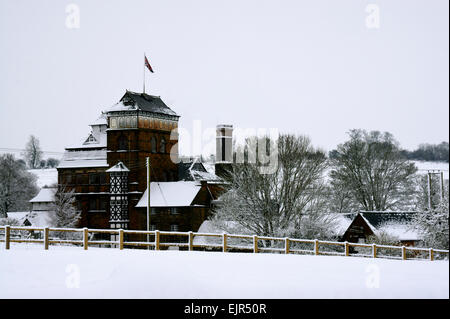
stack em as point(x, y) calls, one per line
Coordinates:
point(45, 177)
point(27, 271)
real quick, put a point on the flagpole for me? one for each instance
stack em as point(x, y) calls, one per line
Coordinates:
point(144, 73)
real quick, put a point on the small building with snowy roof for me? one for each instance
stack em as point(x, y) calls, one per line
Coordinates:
point(44, 199)
point(394, 224)
point(177, 206)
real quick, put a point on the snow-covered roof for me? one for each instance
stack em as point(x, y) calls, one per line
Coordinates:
point(83, 158)
point(132, 101)
point(401, 231)
point(170, 194)
point(396, 224)
point(342, 222)
point(100, 121)
point(195, 170)
point(45, 195)
point(119, 167)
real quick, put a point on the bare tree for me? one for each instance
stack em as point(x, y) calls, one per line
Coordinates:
point(286, 201)
point(33, 153)
point(17, 185)
point(371, 167)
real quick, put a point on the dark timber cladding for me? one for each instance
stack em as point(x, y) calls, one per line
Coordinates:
point(140, 126)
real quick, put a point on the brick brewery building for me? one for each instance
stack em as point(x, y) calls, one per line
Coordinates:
point(109, 175)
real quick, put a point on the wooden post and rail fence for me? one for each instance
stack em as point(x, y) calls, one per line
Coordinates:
point(285, 248)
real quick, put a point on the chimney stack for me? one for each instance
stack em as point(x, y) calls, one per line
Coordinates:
point(224, 149)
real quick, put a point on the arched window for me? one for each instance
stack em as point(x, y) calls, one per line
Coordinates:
point(153, 144)
point(163, 145)
point(123, 143)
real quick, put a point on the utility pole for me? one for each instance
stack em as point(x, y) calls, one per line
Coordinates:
point(148, 199)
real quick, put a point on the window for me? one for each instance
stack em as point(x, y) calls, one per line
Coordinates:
point(68, 179)
point(174, 210)
point(122, 143)
point(102, 178)
point(163, 145)
point(103, 204)
point(152, 227)
point(153, 211)
point(153, 144)
point(94, 179)
point(92, 204)
point(174, 227)
point(81, 179)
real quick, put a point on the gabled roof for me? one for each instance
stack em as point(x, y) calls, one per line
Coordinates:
point(170, 194)
point(141, 101)
point(45, 195)
point(195, 170)
point(119, 167)
point(377, 219)
point(396, 224)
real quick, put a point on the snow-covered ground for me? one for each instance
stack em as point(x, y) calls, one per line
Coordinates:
point(28, 271)
point(423, 166)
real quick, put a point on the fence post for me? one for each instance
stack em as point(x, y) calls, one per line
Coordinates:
point(121, 239)
point(316, 247)
point(7, 236)
point(157, 239)
point(286, 246)
point(46, 233)
point(255, 244)
point(431, 254)
point(224, 240)
point(374, 250)
point(347, 253)
point(191, 241)
point(85, 238)
point(403, 252)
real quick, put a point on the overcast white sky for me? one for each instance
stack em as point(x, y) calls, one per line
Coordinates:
point(305, 67)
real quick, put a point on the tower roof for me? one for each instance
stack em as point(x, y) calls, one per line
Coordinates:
point(119, 167)
point(142, 101)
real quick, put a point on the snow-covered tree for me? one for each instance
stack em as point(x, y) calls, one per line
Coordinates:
point(17, 185)
point(288, 201)
point(33, 152)
point(433, 225)
point(374, 171)
point(52, 162)
point(65, 213)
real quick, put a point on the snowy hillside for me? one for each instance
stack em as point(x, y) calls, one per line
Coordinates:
point(27, 271)
point(47, 176)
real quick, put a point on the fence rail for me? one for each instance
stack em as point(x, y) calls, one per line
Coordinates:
point(225, 245)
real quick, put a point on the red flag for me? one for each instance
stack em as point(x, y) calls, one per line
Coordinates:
point(148, 65)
